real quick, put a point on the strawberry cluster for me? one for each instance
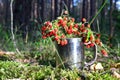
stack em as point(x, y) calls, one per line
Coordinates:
point(65, 27)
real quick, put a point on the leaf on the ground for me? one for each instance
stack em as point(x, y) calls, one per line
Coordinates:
point(115, 74)
point(97, 66)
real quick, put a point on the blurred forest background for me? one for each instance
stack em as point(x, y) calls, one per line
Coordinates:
point(28, 15)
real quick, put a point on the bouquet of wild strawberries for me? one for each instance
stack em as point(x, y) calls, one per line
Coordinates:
point(65, 27)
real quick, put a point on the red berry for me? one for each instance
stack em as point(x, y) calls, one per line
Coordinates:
point(63, 24)
point(87, 46)
point(98, 35)
point(65, 41)
point(91, 44)
point(62, 43)
point(48, 23)
point(78, 33)
point(83, 20)
point(88, 25)
point(56, 38)
point(60, 21)
point(56, 30)
point(51, 33)
point(65, 18)
point(100, 44)
point(91, 37)
point(63, 36)
point(72, 19)
point(104, 53)
point(43, 28)
point(97, 41)
point(44, 37)
point(65, 12)
point(76, 25)
point(69, 31)
point(70, 27)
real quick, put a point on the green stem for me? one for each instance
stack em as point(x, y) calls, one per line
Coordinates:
point(58, 54)
point(98, 12)
point(66, 8)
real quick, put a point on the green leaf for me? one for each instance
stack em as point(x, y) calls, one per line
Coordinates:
point(89, 33)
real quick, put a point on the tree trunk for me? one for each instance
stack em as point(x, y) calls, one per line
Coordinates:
point(111, 19)
point(86, 9)
point(2, 11)
point(57, 8)
point(34, 10)
point(70, 6)
point(52, 9)
point(7, 13)
point(43, 10)
point(22, 10)
point(83, 9)
point(93, 11)
point(103, 17)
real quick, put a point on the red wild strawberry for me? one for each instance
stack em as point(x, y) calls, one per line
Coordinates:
point(65, 18)
point(84, 31)
point(62, 43)
point(56, 38)
point(78, 33)
point(91, 37)
point(56, 30)
point(47, 34)
point(65, 41)
point(88, 46)
point(76, 25)
point(70, 27)
point(72, 19)
point(50, 26)
point(97, 41)
point(104, 53)
point(65, 12)
point(88, 25)
point(100, 44)
point(58, 24)
point(43, 28)
point(98, 35)
point(83, 26)
point(83, 20)
point(51, 33)
point(66, 28)
point(60, 21)
point(63, 24)
point(91, 44)
point(74, 32)
point(69, 31)
point(63, 36)
point(44, 37)
point(43, 33)
point(48, 23)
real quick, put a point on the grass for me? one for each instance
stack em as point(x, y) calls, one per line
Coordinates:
point(11, 70)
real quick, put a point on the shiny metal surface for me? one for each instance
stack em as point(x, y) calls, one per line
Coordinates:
point(72, 54)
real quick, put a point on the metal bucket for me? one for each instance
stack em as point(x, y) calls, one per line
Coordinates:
point(72, 54)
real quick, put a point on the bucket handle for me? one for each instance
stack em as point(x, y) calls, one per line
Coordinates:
point(94, 59)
